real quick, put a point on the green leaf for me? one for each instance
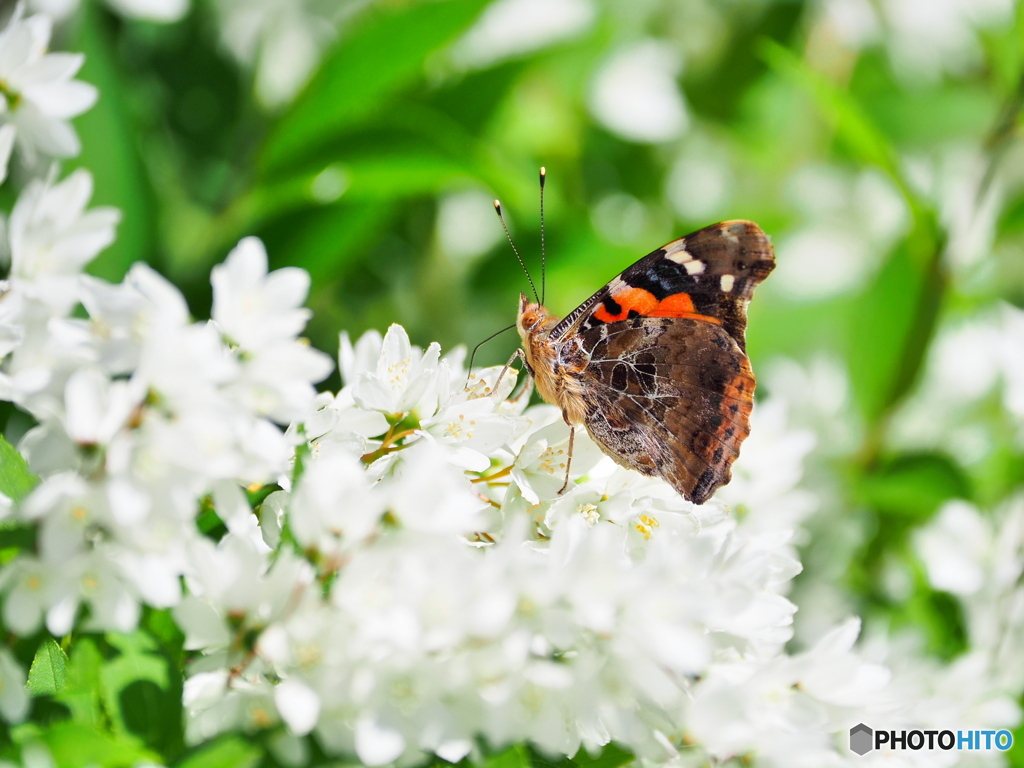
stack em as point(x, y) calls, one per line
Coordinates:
point(16, 480)
point(127, 670)
point(893, 326)
point(75, 745)
point(332, 237)
point(227, 751)
point(385, 53)
point(81, 694)
point(137, 691)
point(915, 486)
point(110, 147)
point(611, 756)
point(860, 135)
point(16, 536)
point(516, 756)
point(48, 674)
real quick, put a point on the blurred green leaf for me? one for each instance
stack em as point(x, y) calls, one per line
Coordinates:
point(853, 127)
point(81, 694)
point(384, 53)
point(77, 745)
point(864, 140)
point(227, 751)
point(142, 710)
point(48, 674)
point(16, 479)
point(938, 617)
point(610, 756)
point(331, 237)
point(915, 485)
point(720, 91)
point(110, 149)
point(516, 756)
point(892, 327)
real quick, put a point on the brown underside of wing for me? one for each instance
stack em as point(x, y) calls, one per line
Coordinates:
point(670, 398)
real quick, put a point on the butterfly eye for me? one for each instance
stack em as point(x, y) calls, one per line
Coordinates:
point(529, 319)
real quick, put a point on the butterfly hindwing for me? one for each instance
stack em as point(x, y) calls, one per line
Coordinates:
point(669, 397)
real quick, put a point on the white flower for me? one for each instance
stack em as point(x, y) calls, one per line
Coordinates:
point(542, 466)
point(7, 135)
point(339, 424)
point(150, 10)
point(514, 27)
point(946, 39)
point(473, 431)
point(333, 509)
point(253, 308)
point(96, 407)
point(377, 744)
point(281, 39)
point(52, 238)
point(262, 313)
point(31, 587)
point(124, 317)
point(401, 378)
point(39, 94)
point(14, 703)
point(298, 704)
point(766, 476)
point(635, 93)
point(234, 589)
point(956, 547)
point(93, 579)
point(427, 493)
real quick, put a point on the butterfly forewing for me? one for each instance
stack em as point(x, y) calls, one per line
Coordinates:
point(710, 274)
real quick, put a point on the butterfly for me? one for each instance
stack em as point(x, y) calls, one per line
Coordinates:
point(654, 364)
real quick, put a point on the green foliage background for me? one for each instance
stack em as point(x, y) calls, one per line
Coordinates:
point(178, 143)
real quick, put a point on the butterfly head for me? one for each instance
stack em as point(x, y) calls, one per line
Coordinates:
point(534, 319)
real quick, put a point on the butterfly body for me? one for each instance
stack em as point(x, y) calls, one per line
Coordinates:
point(654, 364)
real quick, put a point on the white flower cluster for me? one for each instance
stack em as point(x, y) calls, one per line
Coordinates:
point(418, 581)
point(140, 411)
point(430, 585)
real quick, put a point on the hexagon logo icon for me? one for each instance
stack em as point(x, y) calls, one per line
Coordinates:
point(860, 739)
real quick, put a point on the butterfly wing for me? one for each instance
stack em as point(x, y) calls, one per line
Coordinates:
point(669, 397)
point(660, 357)
point(710, 274)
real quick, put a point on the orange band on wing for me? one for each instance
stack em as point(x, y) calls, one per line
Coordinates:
point(680, 305)
point(644, 303)
point(631, 300)
point(675, 305)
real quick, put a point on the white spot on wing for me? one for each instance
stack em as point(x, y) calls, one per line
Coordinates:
point(679, 257)
point(729, 232)
point(694, 267)
point(727, 282)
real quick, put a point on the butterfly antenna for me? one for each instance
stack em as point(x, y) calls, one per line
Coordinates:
point(472, 355)
point(543, 255)
point(497, 208)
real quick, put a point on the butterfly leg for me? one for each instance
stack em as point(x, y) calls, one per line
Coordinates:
point(568, 459)
point(515, 356)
